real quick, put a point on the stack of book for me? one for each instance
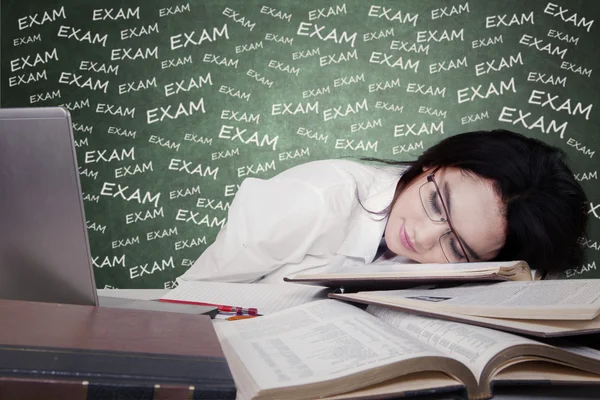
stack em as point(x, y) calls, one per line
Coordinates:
point(495, 326)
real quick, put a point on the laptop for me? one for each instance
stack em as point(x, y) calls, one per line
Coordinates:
point(44, 248)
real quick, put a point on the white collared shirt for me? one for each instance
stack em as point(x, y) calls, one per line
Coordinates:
point(307, 218)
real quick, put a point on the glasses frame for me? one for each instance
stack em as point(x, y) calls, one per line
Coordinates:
point(431, 178)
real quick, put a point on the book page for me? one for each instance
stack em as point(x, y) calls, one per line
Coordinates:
point(266, 297)
point(575, 348)
point(538, 327)
point(317, 342)
point(474, 346)
point(545, 373)
point(523, 296)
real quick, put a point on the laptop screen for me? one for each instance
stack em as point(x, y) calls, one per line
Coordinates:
point(44, 248)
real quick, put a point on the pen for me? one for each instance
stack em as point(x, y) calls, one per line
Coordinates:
point(238, 317)
point(222, 308)
point(238, 310)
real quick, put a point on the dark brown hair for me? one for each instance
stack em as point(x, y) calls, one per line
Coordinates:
point(545, 206)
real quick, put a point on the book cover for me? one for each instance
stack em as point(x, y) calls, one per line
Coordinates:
point(82, 352)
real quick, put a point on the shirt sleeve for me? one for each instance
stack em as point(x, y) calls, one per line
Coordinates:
point(271, 223)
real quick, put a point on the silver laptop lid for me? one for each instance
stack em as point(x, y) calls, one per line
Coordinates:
point(44, 247)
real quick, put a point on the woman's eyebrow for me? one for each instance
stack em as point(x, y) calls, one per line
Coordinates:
point(448, 197)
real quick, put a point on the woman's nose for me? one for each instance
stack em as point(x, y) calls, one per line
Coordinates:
point(430, 233)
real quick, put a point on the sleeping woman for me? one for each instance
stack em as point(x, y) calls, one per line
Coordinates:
point(476, 196)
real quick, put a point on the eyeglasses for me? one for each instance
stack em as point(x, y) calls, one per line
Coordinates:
point(435, 208)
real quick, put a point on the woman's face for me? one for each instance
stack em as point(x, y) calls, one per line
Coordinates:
point(475, 211)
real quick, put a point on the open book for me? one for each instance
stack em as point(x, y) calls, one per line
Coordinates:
point(329, 349)
point(391, 275)
point(538, 308)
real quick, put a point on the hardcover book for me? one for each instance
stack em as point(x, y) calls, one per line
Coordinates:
point(59, 351)
point(391, 275)
point(551, 308)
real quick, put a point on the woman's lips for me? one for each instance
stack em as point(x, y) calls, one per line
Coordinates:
point(405, 240)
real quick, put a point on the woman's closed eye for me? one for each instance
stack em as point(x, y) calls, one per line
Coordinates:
point(433, 202)
point(455, 249)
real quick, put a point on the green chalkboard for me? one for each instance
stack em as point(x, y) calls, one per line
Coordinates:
point(175, 103)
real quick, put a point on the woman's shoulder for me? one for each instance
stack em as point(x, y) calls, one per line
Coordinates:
point(333, 183)
point(341, 171)
point(307, 192)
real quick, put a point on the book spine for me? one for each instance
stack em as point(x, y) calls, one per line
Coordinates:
point(458, 390)
point(15, 388)
point(480, 395)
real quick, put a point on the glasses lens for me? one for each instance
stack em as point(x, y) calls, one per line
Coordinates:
point(431, 202)
point(451, 248)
